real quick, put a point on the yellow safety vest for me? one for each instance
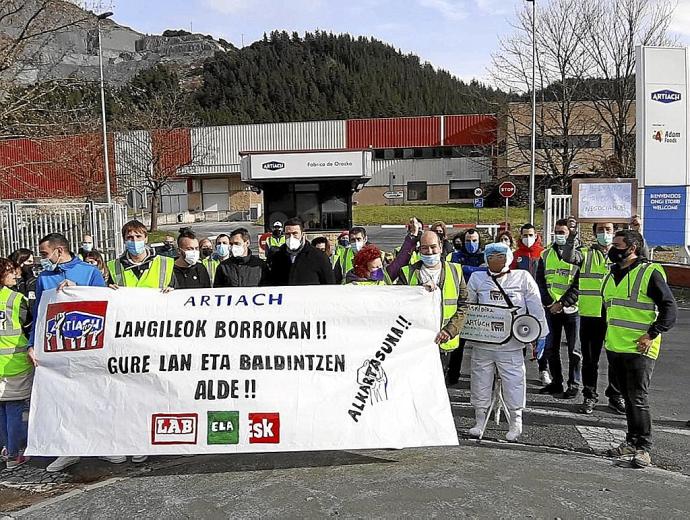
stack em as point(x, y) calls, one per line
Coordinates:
point(592, 273)
point(14, 359)
point(275, 242)
point(347, 259)
point(157, 276)
point(211, 264)
point(386, 280)
point(559, 274)
point(450, 288)
point(629, 311)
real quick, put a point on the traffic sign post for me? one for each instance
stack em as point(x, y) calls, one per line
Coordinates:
point(394, 195)
point(507, 190)
point(478, 203)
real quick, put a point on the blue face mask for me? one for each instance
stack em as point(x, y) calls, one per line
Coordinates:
point(135, 247)
point(430, 260)
point(472, 247)
point(222, 250)
point(376, 275)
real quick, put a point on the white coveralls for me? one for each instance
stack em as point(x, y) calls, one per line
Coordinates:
point(507, 358)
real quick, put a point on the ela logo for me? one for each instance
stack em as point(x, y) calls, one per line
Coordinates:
point(174, 428)
point(223, 428)
point(74, 326)
point(264, 428)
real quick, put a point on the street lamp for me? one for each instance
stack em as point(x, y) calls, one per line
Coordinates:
point(533, 164)
point(105, 128)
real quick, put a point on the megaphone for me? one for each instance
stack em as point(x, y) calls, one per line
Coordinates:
point(526, 328)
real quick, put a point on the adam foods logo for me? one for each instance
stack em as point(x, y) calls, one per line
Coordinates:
point(273, 166)
point(666, 96)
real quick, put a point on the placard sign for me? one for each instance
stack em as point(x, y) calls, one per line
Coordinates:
point(604, 200)
point(488, 323)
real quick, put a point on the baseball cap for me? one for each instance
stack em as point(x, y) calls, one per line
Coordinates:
point(277, 223)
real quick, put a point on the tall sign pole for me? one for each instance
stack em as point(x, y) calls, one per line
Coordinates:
point(533, 164)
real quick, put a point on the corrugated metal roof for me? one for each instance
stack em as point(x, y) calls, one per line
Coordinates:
point(393, 132)
point(434, 171)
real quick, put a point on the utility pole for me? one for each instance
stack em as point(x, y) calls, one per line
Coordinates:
point(106, 165)
point(533, 165)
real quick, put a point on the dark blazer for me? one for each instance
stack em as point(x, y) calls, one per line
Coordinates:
point(311, 267)
point(246, 271)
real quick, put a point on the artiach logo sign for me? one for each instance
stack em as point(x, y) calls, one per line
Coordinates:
point(180, 428)
point(264, 428)
point(273, 166)
point(666, 96)
point(74, 326)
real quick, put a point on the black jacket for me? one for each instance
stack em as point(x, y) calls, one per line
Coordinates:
point(245, 271)
point(311, 267)
point(193, 277)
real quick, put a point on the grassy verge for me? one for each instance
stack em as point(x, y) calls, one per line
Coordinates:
point(449, 213)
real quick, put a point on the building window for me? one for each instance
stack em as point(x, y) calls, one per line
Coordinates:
point(462, 189)
point(389, 154)
point(379, 154)
point(436, 152)
point(408, 153)
point(551, 142)
point(416, 190)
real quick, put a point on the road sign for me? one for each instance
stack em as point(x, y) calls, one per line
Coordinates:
point(394, 195)
point(478, 192)
point(479, 202)
point(507, 189)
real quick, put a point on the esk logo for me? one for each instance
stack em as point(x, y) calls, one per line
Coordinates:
point(264, 428)
point(223, 428)
point(74, 326)
point(174, 428)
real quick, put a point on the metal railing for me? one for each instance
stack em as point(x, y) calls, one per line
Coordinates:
point(556, 208)
point(24, 224)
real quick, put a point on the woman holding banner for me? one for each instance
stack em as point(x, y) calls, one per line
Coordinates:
point(499, 286)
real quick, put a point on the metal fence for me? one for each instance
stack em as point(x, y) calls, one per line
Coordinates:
point(557, 207)
point(24, 224)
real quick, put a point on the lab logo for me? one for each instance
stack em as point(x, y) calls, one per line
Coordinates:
point(264, 428)
point(666, 96)
point(223, 428)
point(75, 326)
point(174, 428)
point(273, 165)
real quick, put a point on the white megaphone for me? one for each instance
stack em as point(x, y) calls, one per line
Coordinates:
point(526, 328)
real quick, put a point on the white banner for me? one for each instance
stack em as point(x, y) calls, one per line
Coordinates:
point(138, 372)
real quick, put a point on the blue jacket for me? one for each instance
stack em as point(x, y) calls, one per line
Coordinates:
point(76, 271)
point(470, 262)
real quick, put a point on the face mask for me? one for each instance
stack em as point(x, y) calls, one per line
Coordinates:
point(237, 250)
point(618, 256)
point(206, 252)
point(28, 270)
point(191, 257)
point(506, 242)
point(135, 247)
point(222, 250)
point(47, 264)
point(87, 247)
point(344, 242)
point(457, 246)
point(529, 241)
point(357, 245)
point(169, 245)
point(472, 247)
point(376, 275)
point(293, 244)
point(276, 232)
point(604, 239)
point(441, 236)
point(430, 260)
point(560, 240)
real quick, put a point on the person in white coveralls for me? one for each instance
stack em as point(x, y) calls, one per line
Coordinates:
point(501, 286)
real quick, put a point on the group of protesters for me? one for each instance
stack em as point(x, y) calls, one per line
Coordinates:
point(601, 295)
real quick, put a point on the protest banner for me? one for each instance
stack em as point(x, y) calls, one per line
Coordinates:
point(488, 323)
point(604, 200)
point(138, 372)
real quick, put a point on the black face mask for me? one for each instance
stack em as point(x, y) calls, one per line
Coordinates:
point(276, 232)
point(457, 246)
point(618, 256)
point(205, 253)
point(28, 270)
point(441, 237)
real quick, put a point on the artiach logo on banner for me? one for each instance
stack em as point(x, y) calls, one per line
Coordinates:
point(666, 96)
point(174, 428)
point(264, 428)
point(273, 166)
point(74, 326)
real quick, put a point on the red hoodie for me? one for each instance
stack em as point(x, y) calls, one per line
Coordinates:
point(527, 258)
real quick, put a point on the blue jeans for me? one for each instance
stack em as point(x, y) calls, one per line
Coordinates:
point(13, 430)
point(570, 324)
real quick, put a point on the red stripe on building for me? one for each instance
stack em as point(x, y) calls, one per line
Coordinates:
point(468, 130)
point(393, 132)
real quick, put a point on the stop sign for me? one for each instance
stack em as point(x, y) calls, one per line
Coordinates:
point(507, 189)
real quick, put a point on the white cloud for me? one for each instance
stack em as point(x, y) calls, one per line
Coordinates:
point(228, 6)
point(451, 9)
point(681, 18)
point(493, 7)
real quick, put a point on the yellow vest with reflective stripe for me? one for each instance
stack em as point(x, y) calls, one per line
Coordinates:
point(157, 276)
point(275, 242)
point(211, 264)
point(347, 259)
point(386, 280)
point(451, 279)
point(559, 274)
point(14, 359)
point(629, 311)
point(592, 273)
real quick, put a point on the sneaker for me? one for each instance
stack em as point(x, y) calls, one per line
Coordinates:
point(138, 459)
point(545, 377)
point(14, 463)
point(552, 388)
point(617, 404)
point(570, 393)
point(61, 463)
point(115, 460)
point(641, 459)
point(4, 456)
point(625, 449)
point(588, 405)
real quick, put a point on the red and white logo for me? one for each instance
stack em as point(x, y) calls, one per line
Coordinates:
point(264, 428)
point(74, 326)
point(507, 189)
point(174, 428)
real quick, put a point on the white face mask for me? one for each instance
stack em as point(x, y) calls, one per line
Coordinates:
point(191, 257)
point(357, 245)
point(293, 244)
point(560, 240)
point(237, 250)
point(529, 241)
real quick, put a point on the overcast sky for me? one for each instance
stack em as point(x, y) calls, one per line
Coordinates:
point(457, 35)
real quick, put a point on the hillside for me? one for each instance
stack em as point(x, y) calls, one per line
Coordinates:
point(324, 76)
